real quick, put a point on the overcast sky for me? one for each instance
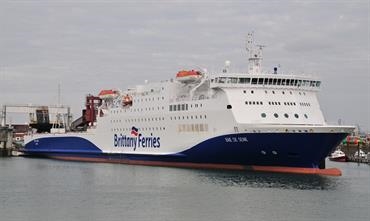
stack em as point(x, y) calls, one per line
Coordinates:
point(87, 46)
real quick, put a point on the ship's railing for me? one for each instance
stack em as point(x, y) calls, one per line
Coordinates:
point(265, 82)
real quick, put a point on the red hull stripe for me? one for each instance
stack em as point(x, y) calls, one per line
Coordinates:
point(298, 170)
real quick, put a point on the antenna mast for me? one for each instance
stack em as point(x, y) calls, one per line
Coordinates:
point(255, 55)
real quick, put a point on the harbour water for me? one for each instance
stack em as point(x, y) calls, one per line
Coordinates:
point(42, 189)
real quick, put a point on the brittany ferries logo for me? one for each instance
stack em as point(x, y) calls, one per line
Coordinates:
point(136, 140)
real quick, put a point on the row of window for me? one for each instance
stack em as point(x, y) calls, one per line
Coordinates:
point(276, 103)
point(134, 120)
point(273, 92)
point(254, 102)
point(188, 117)
point(183, 107)
point(267, 81)
point(305, 104)
point(284, 103)
point(137, 109)
point(264, 115)
point(140, 129)
point(192, 127)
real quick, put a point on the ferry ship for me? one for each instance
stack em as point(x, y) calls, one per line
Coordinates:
point(240, 121)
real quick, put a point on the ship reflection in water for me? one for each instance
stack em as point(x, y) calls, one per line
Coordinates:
point(269, 180)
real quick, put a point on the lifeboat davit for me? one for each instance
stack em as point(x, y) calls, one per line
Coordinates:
point(188, 76)
point(108, 94)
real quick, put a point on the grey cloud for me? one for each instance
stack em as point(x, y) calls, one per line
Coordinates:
point(89, 45)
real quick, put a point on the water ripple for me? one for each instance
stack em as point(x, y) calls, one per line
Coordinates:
point(269, 180)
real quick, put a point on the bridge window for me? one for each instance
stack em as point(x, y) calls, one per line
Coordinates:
point(300, 83)
point(260, 80)
point(221, 80)
point(275, 81)
point(244, 80)
point(287, 82)
point(234, 80)
point(270, 81)
point(279, 82)
point(254, 80)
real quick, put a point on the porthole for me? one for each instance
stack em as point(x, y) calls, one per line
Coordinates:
point(265, 92)
point(252, 92)
point(273, 92)
point(283, 92)
point(286, 115)
point(305, 115)
point(244, 91)
point(263, 115)
point(276, 115)
point(296, 116)
point(290, 92)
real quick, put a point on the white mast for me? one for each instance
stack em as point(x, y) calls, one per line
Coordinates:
point(255, 55)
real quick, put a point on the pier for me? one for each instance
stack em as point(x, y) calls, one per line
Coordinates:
point(6, 141)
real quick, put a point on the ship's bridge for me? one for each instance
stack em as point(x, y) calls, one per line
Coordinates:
point(265, 81)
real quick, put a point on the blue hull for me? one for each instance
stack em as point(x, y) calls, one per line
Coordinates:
point(305, 150)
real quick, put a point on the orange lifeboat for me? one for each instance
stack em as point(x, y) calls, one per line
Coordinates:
point(108, 94)
point(188, 76)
